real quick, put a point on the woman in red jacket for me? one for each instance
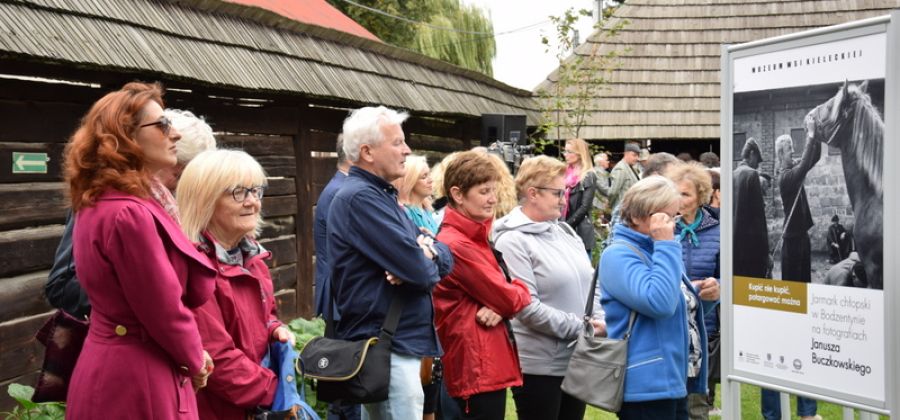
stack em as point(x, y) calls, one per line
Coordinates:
point(219, 199)
point(474, 303)
point(140, 273)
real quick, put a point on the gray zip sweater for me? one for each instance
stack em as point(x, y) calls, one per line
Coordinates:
point(550, 259)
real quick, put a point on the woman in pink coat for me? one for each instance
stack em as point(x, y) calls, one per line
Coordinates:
point(219, 199)
point(143, 357)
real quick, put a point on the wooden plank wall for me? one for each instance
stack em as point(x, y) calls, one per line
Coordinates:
point(291, 139)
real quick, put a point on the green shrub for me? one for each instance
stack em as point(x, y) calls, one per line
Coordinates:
point(30, 410)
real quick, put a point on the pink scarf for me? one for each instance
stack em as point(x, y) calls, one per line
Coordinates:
point(573, 177)
point(164, 197)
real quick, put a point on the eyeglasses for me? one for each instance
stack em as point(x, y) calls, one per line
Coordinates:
point(240, 193)
point(568, 152)
point(559, 193)
point(164, 123)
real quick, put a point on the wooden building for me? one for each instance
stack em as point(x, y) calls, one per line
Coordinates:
point(666, 89)
point(275, 87)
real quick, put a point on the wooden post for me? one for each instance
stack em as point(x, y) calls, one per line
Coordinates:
point(304, 220)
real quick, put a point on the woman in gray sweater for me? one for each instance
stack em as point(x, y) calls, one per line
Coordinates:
point(549, 257)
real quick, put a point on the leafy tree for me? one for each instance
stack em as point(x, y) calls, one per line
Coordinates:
point(581, 75)
point(470, 44)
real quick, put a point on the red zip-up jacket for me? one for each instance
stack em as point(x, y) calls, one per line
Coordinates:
point(476, 359)
point(236, 326)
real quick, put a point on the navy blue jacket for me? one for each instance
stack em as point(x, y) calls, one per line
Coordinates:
point(323, 271)
point(368, 234)
point(702, 261)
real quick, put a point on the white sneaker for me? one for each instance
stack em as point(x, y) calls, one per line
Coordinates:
point(715, 412)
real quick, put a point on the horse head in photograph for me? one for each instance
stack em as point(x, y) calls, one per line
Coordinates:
point(849, 122)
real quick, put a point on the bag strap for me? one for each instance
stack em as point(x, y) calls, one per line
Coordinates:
point(388, 327)
point(589, 306)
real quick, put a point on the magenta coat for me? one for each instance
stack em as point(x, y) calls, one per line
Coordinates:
point(141, 275)
point(236, 326)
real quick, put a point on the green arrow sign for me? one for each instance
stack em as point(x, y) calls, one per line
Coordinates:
point(29, 163)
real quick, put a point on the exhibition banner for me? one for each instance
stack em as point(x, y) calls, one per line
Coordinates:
point(807, 206)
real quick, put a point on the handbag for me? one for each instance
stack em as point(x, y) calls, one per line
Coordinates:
point(596, 371)
point(357, 372)
point(63, 337)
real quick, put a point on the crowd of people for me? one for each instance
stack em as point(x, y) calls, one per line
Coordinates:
point(493, 269)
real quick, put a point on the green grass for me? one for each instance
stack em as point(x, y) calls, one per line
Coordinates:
point(750, 409)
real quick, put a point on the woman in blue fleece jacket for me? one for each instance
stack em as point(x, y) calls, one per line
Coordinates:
point(642, 270)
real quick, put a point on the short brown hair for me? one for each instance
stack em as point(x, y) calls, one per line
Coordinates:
point(537, 171)
point(467, 170)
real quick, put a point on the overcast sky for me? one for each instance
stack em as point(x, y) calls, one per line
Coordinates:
point(521, 60)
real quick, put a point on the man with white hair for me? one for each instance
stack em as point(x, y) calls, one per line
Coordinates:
point(377, 254)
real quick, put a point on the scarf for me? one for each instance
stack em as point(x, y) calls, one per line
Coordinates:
point(689, 229)
point(573, 177)
point(164, 197)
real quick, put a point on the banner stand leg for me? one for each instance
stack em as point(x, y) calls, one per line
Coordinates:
point(731, 399)
point(785, 406)
point(848, 413)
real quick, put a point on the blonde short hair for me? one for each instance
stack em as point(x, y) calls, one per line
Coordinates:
point(646, 197)
point(205, 179)
point(415, 166)
point(437, 175)
point(506, 187)
point(537, 171)
point(584, 155)
point(698, 175)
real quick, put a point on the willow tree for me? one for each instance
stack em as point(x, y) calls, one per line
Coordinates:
point(446, 30)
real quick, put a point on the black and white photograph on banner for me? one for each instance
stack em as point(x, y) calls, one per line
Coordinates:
point(808, 182)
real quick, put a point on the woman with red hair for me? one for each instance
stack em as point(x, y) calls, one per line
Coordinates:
point(143, 352)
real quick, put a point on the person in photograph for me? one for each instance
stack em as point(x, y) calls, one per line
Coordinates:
point(377, 253)
point(579, 192)
point(751, 233)
point(472, 304)
point(141, 274)
point(795, 249)
point(643, 271)
point(219, 200)
point(839, 241)
point(698, 232)
point(545, 254)
point(624, 174)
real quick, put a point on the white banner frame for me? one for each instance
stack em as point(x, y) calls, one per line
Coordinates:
point(733, 377)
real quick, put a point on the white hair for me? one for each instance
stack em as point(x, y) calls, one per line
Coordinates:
point(196, 134)
point(363, 126)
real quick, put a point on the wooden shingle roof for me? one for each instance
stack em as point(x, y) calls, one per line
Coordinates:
point(234, 46)
point(668, 84)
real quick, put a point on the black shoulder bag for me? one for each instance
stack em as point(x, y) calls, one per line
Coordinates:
point(357, 371)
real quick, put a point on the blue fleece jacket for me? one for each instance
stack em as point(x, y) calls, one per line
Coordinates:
point(659, 344)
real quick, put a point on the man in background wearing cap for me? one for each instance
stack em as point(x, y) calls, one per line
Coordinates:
point(750, 231)
point(624, 174)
